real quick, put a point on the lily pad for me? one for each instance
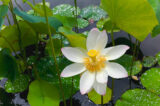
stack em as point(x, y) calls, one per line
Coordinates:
point(138, 97)
point(149, 61)
point(65, 10)
point(82, 23)
point(93, 12)
point(96, 98)
point(151, 80)
point(158, 57)
point(19, 85)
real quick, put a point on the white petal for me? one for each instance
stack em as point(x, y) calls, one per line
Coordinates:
point(101, 41)
point(92, 38)
point(73, 54)
point(86, 82)
point(115, 70)
point(73, 69)
point(100, 88)
point(115, 52)
point(102, 76)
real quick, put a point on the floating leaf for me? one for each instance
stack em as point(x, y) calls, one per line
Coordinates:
point(8, 65)
point(3, 12)
point(96, 98)
point(126, 62)
point(47, 71)
point(149, 61)
point(42, 93)
point(65, 10)
point(19, 85)
point(82, 23)
point(158, 57)
point(138, 97)
point(130, 16)
point(150, 80)
point(93, 12)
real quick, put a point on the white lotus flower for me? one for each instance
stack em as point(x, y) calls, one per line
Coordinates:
point(94, 63)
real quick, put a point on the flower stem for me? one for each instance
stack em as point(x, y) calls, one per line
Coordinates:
point(133, 59)
point(9, 22)
point(102, 100)
point(19, 34)
point(113, 43)
point(130, 38)
point(75, 14)
point(53, 52)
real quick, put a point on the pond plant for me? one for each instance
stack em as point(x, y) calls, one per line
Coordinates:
point(51, 54)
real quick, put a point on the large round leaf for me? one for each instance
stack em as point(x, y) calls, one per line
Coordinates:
point(151, 80)
point(133, 16)
point(138, 97)
point(42, 93)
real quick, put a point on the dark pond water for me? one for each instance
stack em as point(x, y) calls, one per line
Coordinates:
point(149, 47)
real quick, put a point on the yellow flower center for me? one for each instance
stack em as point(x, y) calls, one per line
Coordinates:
point(94, 62)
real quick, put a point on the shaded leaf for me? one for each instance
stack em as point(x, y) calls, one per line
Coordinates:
point(8, 65)
point(10, 36)
point(126, 62)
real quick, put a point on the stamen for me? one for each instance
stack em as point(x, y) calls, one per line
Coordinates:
point(95, 65)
